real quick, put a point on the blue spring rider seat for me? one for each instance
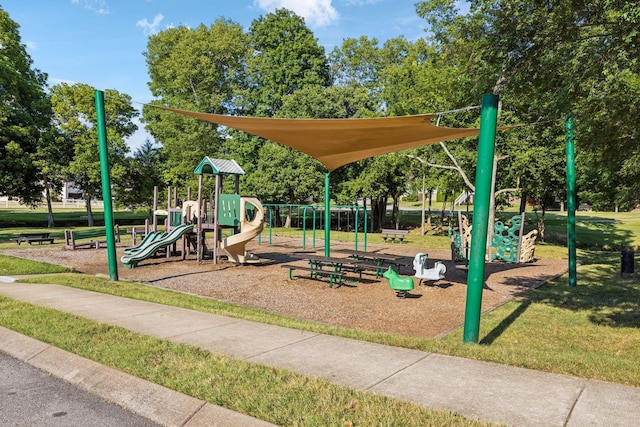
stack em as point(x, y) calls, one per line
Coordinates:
point(398, 283)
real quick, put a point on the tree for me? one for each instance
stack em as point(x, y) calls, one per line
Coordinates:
point(75, 116)
point(287, 76)
point(144, 173)
point(286, 57)
point(547, 59)
point(199, 69)
point(25, 115)
point(383, 176)
point(53, 155)
point(358, 63)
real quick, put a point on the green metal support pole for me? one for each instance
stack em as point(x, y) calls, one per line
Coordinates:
point(571, 198)
point(482, 199)
point(313, 243)
point(364, 246)
point(271, 226)
point(304, 227)
point(355, 229)
point(106, 185)
point(327, 216)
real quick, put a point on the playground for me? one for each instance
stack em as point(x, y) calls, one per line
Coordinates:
point(431, 310)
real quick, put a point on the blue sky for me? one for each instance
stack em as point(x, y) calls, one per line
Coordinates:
point(100, 42)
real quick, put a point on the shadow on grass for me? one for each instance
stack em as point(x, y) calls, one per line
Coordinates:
point(609, 299)
point(505, 323)
point(591, 232)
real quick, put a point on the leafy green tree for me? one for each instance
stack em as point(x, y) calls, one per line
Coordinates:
point(53, 155)
point(144, 173)
point(199, 69)
point(286, 57)
point(287, 72)
point(25, 115)
point(75, 117)
point(359, 63)
point(547, 59)
point(383, 177)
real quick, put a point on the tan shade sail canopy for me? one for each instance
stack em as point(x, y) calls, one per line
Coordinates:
point(337, 142)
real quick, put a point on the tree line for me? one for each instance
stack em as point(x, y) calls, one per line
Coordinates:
point(545, 59)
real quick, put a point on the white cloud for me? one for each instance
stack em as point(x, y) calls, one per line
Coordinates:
point(98, 6)
point(31, 45)
point(56, 81)
point(317, 13)
point(150, 27)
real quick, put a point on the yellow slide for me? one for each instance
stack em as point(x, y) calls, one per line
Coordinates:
point(234, 245)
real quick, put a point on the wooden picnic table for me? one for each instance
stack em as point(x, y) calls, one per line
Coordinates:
point(35, 237)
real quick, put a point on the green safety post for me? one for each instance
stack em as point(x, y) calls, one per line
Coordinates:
point(355, 229)
point(304, 227)
point(571, 197)
point(364, 244)
point(270, 226)
point(484, 174)
point(106, 185)
point(327, 216)
point(313, 233)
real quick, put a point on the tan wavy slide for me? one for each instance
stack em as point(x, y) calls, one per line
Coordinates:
point(234, 245)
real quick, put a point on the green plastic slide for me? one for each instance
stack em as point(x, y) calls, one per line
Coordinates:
point(151, 246)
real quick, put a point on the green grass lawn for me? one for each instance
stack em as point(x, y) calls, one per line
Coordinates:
point(591, 331)
point(24, 218)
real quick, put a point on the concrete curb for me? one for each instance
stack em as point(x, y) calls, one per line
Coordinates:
point(157, 403)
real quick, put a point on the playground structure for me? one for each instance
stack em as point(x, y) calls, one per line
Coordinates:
point(242, 217)
point(508, 242)
point(337, 142)
point(231, 211)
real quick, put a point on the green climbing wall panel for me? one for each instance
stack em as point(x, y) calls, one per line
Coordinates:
point(505, 239)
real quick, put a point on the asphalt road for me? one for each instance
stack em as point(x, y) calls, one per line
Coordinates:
point(30, 397)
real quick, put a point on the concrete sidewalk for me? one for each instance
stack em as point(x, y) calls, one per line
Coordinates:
point(480, 390)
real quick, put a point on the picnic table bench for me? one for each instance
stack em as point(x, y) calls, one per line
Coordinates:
point(393, 234)
point(96, 236)
point(337, 267)
point(35, 237)
point(334, 276)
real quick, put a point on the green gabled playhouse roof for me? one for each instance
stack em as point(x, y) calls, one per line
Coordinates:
point(211, 166)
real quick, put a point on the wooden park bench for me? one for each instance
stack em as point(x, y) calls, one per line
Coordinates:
point(35, 237)
point(393, 234)
point(96, 236)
